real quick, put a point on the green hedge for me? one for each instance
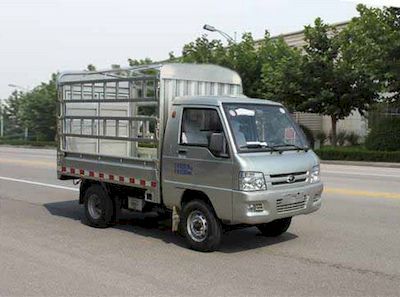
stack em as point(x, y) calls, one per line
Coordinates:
point(27, 142)
point(384, 135)
point(357, 154)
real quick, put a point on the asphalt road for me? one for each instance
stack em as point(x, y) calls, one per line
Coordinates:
point(351, 247)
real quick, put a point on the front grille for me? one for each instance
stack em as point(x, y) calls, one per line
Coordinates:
point(284, 182)
point(282, 206)
point(288, 178)
point(286, 174)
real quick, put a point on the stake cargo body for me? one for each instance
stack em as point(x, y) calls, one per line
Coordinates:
point(111, 123)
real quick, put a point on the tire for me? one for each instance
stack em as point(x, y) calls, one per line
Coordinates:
point(200, 226)
point(99, 208)
point(275, 228)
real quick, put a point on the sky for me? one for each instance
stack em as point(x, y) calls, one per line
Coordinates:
point(40, 37)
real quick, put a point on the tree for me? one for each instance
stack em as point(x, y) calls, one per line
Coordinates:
point(13, 127)
point(373, 41)
point(332, 83)
point(37, 110)
point(91, 67)
point(204, 51)
point(281, 72)
point(134, 62)
point(392, 49)
point(324, 78)
point(171, 56)
point(242, 57)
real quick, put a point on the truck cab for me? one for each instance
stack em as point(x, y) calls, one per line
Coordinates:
point(245, 158)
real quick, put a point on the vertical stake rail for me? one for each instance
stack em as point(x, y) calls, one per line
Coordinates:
point(92, 128)
point(104, 127)
point(98, 114)
point(70, 125)
point(117, 128)
point(93, 89)
point(116, 90)
point(61, 112)
point(130, 95)
point(135, 109)
point(157, 124)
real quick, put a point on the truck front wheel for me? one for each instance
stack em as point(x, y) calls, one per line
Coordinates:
point(98, 207)
point(275, 228)
point(200, 226)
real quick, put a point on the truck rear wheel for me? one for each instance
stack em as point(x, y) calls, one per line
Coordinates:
point(275, 228)
point(99, 207)
point(200, 226)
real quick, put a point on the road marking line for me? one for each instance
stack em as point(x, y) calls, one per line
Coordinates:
point(360, 173)
point(38, 183)
point(362, 193)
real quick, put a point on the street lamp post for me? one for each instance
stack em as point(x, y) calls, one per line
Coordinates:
point(225, 35)
point(18, 87)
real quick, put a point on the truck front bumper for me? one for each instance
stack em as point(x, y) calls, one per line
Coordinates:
point(265, 206)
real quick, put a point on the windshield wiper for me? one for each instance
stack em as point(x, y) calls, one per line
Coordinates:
point(297, 147)
point(259, 145)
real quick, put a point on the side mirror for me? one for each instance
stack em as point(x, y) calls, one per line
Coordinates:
point(217, 144)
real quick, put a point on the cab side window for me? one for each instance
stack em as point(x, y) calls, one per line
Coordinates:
point(198, 125)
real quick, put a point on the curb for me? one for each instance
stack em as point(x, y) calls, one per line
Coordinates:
point(362, 163)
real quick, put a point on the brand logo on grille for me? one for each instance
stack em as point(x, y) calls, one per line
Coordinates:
point(291, 179)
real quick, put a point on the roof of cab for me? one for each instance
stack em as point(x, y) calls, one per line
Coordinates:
point(217, 100)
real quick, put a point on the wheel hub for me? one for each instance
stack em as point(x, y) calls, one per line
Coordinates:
point(94, 206)
point(197, 226)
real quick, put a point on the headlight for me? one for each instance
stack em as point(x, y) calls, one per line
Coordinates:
point(251, 181)
point(314, 176)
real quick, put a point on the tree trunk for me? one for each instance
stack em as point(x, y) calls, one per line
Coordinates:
point(333, 131)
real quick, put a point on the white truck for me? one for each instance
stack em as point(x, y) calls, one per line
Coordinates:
point(181, 140)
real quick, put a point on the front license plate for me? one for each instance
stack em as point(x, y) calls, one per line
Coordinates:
point(293, 198)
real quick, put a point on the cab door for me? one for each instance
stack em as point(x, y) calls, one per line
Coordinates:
point(190, 165)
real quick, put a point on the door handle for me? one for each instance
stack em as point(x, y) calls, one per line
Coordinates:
point(182, 152)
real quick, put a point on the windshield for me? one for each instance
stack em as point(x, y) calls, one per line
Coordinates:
point(261, 127)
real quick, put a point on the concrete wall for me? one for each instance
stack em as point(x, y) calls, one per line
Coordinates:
point(354, 123)
point(312, 121)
